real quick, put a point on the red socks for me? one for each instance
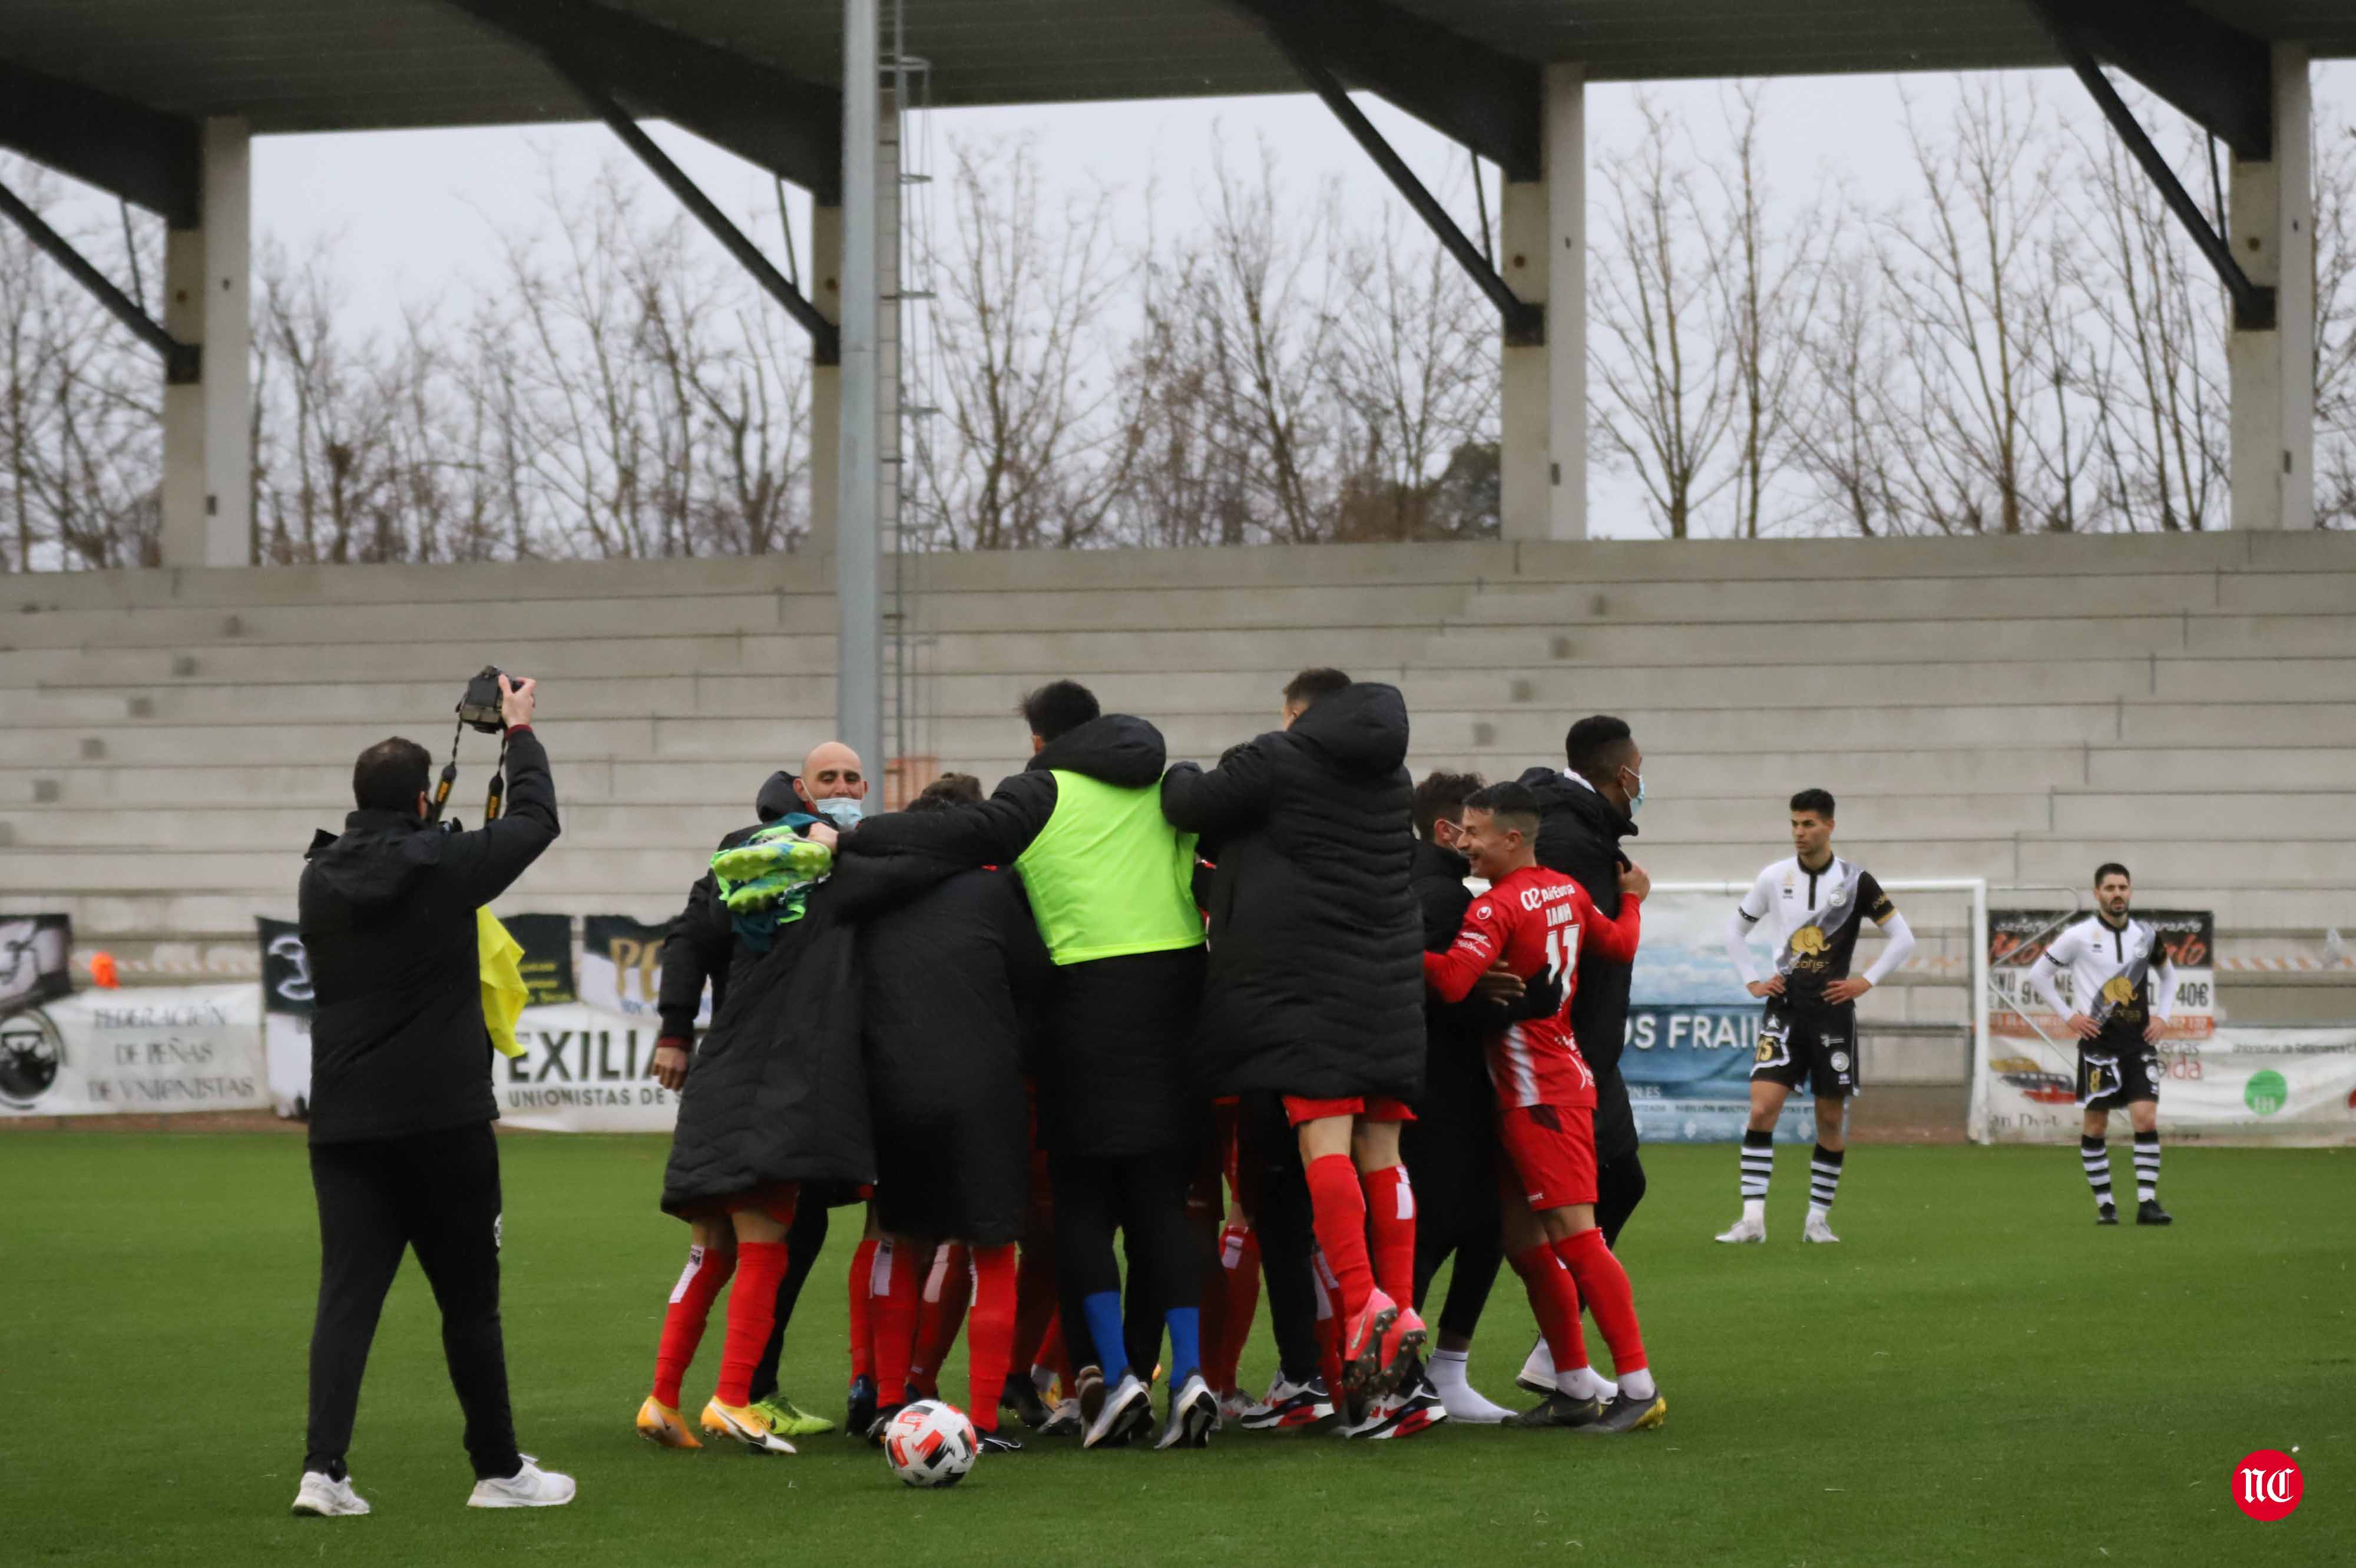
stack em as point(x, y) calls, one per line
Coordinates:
point(1391, 1229)
point(1553, 1300)
point(1228, 1306)
point(989, 1334)
point(863, 1333)
point(752, 1313)
point(1329, 1326)
point(949, 1288)
point(1604, 1284)
point(1340, 1208)
point(699, 1286)
point(893, 1313)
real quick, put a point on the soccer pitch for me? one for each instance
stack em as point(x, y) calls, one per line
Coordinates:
point(1976, 1375)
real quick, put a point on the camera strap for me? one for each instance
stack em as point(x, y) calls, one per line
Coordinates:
point(450, 775)
point(499, 782)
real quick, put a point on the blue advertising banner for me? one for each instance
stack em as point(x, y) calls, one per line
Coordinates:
point(1693, 1031)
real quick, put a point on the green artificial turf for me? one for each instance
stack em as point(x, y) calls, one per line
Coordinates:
point(1976, 1375)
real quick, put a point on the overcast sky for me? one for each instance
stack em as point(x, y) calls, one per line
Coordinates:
point(411, 216)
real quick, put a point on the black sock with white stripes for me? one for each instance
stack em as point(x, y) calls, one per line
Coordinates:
point(1758, 1165)
point(1824, 1179)
point(2096, 1158)
point(2147, 1162)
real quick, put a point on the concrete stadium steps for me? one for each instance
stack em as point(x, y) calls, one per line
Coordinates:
point(2011, 708)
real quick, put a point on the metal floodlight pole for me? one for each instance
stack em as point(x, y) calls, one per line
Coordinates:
point(858, 544)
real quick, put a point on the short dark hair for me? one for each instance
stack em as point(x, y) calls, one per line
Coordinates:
point(391, 775)
point(1304, 689)
point(2107, 867)
point(1441, 795)
point(1058, 708)
point(949, 789)
point(1512, 803)
point(1820, 801)
point(1593, 746)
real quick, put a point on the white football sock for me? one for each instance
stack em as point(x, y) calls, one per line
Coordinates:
point(1638, 1385)
point(1754, 1209)
point(1579, 1384)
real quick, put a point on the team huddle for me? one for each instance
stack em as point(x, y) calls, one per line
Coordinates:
point(1100, 1055)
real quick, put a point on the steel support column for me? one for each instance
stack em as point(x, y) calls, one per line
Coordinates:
point(858, 545)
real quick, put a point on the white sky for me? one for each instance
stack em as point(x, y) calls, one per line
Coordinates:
point(410, 216)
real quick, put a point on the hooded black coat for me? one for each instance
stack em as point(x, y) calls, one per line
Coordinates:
point(1113, 1071)
point(697, 946)
point(1579, 835)
point(952, 972)
point(386, 915)
point(779, 1091)
point(1315, 985)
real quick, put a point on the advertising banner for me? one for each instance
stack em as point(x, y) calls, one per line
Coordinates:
point(109, 1052)
point(583, 1070)
point(35, 956)
point(2237, 1084)
point(621, 966)
point(547, 961)
point(1693, 1030)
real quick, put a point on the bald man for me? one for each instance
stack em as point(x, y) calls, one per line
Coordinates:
point(833, 785)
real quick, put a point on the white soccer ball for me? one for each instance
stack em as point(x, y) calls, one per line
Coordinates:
point(929, 1443)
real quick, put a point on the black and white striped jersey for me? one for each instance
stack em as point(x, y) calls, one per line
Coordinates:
point(1814, 917)
point(2119, 975)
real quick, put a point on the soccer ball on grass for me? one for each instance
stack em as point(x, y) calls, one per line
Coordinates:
point(929, 1443)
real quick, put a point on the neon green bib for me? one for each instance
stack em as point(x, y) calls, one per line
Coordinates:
point(1108, 875)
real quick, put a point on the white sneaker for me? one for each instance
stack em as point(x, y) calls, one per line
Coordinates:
point(1236, 1405)
point(530, 1487)
point(1537, 1375)
point(1380, 1410)
point(1193, 1416)
point(1745, 1231)
point(1819, 1228)
point(323, 1497)
point(1119, 1411)
point(1065, 1421)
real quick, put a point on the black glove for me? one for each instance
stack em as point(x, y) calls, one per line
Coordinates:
point(1541, 997)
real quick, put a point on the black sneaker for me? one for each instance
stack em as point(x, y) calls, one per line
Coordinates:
point(1558, 1409)
point(1020, 1396)
point(1628, 1413)
point(859, 1414)
point(883, 1414)
point(993, 1443)
point(2106, 1214)
point(2150, 1212)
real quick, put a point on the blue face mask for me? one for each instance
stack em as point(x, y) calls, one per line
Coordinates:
point(842, 811)
point(1636, 800)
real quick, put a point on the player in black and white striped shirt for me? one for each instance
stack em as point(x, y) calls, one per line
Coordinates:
point(2122, 985)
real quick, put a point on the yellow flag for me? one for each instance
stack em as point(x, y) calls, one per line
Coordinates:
point(503, 988)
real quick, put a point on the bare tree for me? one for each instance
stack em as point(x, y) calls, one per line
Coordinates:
point(1667, 367)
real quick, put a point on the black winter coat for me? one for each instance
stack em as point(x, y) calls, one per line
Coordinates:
point(386, 915)
point(951, 974)
point(1579, 835)
point(1113, 1069)
point(778, 1093)
point(697, 946)
point(1315, 985)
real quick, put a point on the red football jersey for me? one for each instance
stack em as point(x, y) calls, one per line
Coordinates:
point(1536, 920)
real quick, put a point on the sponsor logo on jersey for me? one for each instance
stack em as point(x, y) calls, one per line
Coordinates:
point(1808, 940)
point(2118, 989)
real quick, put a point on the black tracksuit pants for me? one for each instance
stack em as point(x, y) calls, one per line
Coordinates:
point(1143, 1198)
point(1285, 1225)
point(437, 1193)
point(1619, 1189)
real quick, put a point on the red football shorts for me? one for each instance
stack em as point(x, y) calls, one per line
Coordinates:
point(778, 1200)
point(1551, 1151)
point(1371, 1107)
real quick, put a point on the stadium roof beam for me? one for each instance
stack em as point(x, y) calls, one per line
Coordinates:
point(127, 149)
point(788, 125)
point(2214, 72)
point(2255, 307)
point(183, 363)
point(826, 340)
point(1306, 33)
point(1488, 100)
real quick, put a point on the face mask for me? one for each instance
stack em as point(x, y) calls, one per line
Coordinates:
point(1636, 800)
point(843, 811)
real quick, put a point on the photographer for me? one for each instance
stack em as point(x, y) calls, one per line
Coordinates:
point(402, 1151)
